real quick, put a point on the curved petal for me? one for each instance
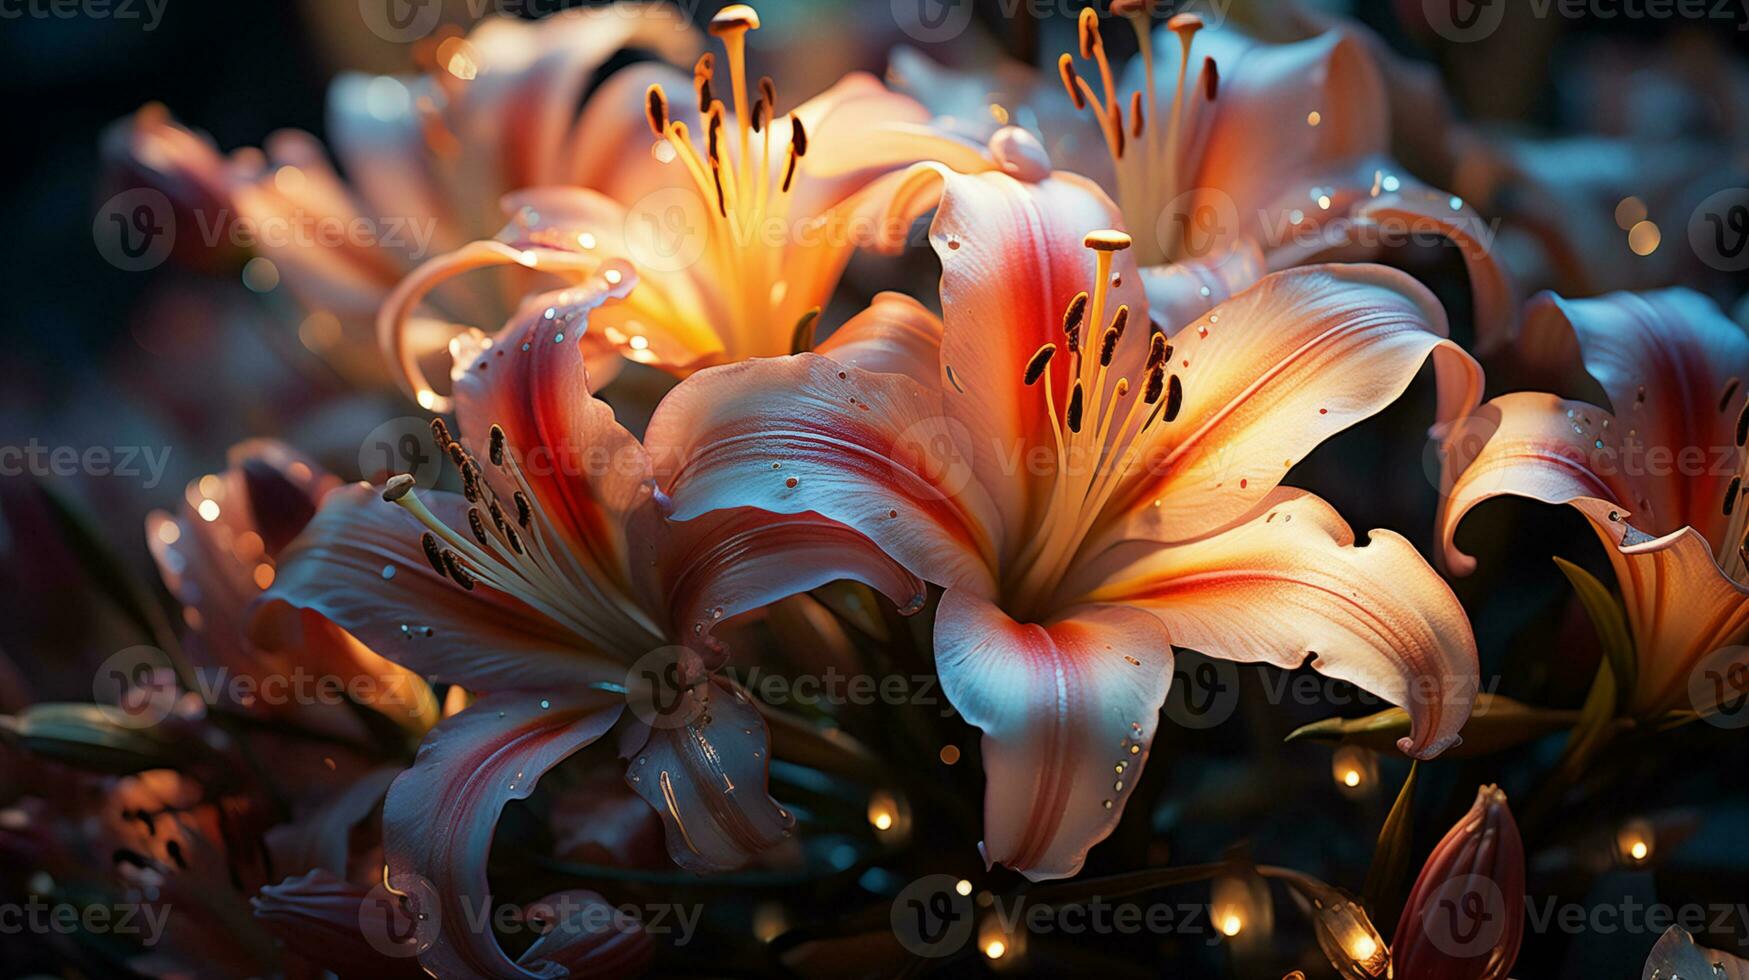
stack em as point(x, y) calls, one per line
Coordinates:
point(1680, 605)
point(326, 920)
point(1376, 616)
point(804, 433)
point(728, 562)
point(583, 470)
point(360, 565)
point(586, 937)
point(1068, 710)
point(1675, 369)
point(441, 814)
point(1268, 93)
point(894, 335)
point(1012, 257)
point(1272, 373)
point(706, 771)
point(1530, 444)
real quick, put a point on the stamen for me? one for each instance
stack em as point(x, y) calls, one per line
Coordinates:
point(702, 73)
point(476, 525)
point(397, 486)
point(1156, 384)
point(768, 91)
point(798, 148)
point(453, 565)
point(1731, 494)
point(1174, 398)
point(497, 513)
point(1211, 79)
point(432, 553)
point(1156, 351)
point(1743, 426)
point(495, 444)
point(1035, 368)
point(656, 110)
point(1071, 81)
point(802, 338)
point(1108, 346)
point(1076, 398)
point(1136, 117)
point(440, 432)
point(1121, 319)
point(735, 18)
point(1730, 389)
point(1088, 28)
point(1072, 320)
point(1106, 240)
point(524, 510)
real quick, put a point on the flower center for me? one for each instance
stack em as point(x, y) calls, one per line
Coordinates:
point(1154, 157)
point(1095, 428)
point(517, 550)
point(748, 199)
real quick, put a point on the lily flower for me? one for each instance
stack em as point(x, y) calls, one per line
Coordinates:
point(1676, 956)
point(427, 159)
point(739, 224)
point(1231, 157)
point(1464, 919)
point(1658, 470)
point(550, 588)
point(1091, 492)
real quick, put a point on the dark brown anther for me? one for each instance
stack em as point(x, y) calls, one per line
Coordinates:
point(1076, 397)
point(802, 338)
point(1072, 320)
point(1136, 117)
point(1156, 385)
point(1174, 398)
point(768, 92)
point(497, 513)
point(656, 110)
point(1066, 68)
point(1211, 79)
point(1731, 494)
point(495, 445)
point(524, 512)
point(1108, 346)
point(761, 114)
point(476, 525)
point(1743, 426)
point(1087, 29)
point(1035, 368)
point(457, 454)
point(1118, 144)
point(515, 540)
point(458, 574)
point(1157, 351)
point(1730, 389)
point(440, 432)
point(798, 135)
point(433, 553)
point(1120, 319)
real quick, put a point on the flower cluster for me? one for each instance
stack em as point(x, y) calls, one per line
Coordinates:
point(995, 381)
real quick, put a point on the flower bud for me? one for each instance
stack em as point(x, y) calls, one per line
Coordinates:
point(1464, 919)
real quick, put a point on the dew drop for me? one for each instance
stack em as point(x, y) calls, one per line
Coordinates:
point(791, 482)
point(545, 704)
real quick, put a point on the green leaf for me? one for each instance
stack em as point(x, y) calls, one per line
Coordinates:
point(1612, 628)
point(1390, 859)
point(1496, 723)
point(83, 736)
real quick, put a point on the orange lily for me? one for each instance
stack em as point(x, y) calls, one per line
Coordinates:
point(1091, 492)
point(738, 219)
point(1658, 473)
point(1229, 156)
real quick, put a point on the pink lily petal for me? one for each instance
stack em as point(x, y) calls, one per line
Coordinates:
point(360, 565)
point(441, 815)
point(1674, 369)
point(583, 470)
point(705, 768)
point(1012, 258)
point(1068, 710)
point(804, 433)
point(1182, 291)
point(328, 921)
point(1272, 373)
point(894, 335)
point(1286, 585)
point(731, 561)
point(587, 937)
point(1530, 444)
